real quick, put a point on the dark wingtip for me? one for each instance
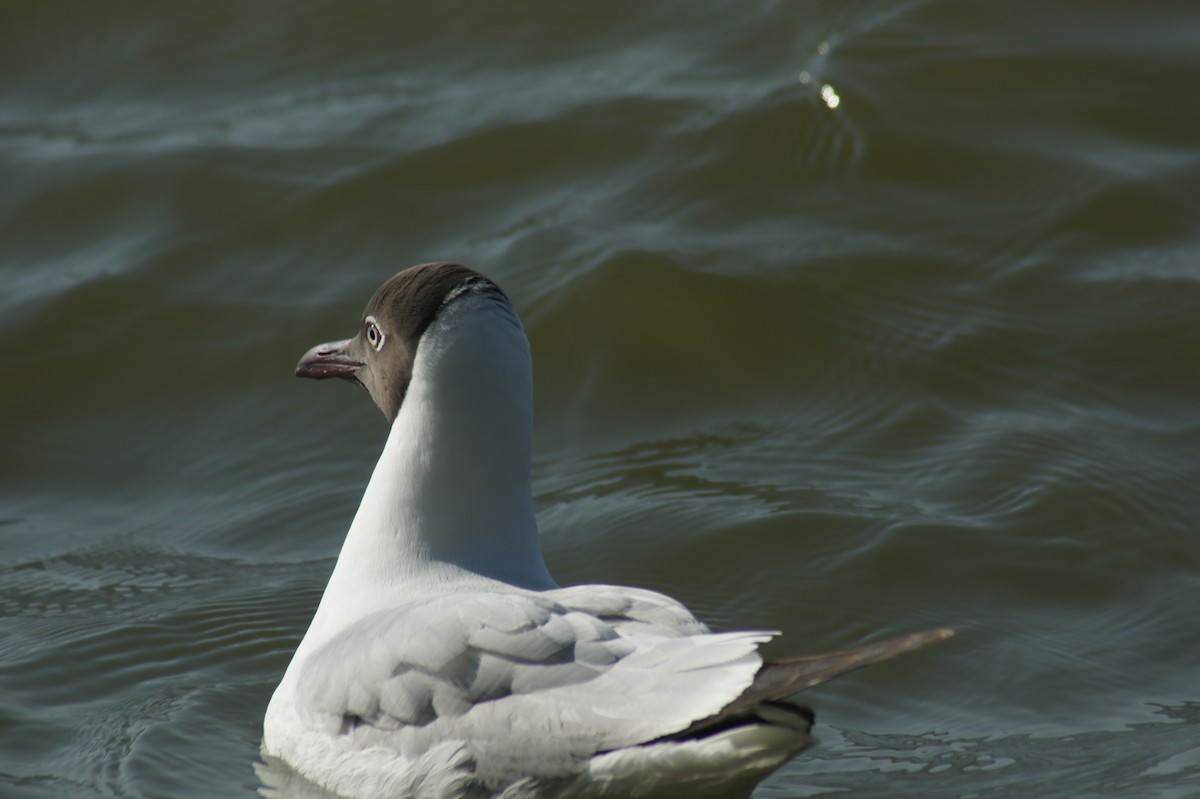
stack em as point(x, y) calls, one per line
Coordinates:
point(783, 678)
point(786, 677)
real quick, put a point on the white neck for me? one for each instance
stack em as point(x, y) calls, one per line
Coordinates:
point(450, 501)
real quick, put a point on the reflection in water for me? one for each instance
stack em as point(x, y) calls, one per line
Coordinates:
point(1149, 759)
point(827, 370)
point(279, 781)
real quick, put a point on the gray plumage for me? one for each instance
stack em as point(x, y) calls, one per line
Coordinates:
point(444, 660)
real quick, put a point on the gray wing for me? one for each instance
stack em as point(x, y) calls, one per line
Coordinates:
point(534, 684)
point(633, 612)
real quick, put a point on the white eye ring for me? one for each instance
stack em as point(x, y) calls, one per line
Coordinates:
point(375, 336)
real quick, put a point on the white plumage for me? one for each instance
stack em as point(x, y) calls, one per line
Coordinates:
point(443, 661)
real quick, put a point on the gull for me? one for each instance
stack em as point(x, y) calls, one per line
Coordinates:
point(444, 661)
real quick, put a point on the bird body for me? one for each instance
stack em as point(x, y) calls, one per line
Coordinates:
point(444, 661)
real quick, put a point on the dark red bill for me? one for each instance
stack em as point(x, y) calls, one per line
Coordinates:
point(329, 360)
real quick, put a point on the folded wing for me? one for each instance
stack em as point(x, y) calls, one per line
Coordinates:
point(533, 684)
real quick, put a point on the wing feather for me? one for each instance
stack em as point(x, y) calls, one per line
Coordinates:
point(533, 684)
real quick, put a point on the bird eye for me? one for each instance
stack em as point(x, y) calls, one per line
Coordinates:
point(375, 336)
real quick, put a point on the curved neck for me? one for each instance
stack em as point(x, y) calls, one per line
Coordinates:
point(450, 499)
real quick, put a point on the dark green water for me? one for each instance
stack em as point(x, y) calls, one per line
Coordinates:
point(848, 318)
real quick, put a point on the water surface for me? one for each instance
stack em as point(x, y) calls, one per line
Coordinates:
point(848, 319)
